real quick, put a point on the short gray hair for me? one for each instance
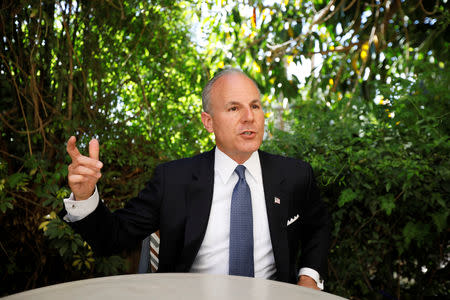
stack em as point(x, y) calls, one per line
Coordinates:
point(206, 94)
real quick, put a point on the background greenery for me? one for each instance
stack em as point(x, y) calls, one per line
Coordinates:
point(369, 110)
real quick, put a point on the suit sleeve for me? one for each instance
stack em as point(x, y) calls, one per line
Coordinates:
point(315, 232)
point(111, 232)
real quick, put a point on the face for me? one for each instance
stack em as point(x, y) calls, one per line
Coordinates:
point(236, 117)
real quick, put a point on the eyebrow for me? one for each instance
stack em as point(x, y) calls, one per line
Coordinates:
point(239, 103)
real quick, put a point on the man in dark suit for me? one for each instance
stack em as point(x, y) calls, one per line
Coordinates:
point(190, 200)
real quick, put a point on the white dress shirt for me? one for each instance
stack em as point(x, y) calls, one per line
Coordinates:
point(212, 256)
point(214, 251)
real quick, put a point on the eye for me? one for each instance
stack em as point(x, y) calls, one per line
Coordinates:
point(233, 108)
point(255, 106)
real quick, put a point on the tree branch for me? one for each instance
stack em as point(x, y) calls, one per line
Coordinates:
point(70, 49)
point(436, 7)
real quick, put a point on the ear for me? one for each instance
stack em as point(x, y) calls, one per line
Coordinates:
point(207, 122)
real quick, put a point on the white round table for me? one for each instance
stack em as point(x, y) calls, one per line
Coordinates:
point(174, 286)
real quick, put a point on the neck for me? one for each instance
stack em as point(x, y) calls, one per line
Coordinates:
point(240, 158)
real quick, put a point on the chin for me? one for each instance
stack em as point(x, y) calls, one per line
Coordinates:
point(250, 148)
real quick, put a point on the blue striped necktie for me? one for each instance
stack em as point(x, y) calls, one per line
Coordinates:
point(241, 228)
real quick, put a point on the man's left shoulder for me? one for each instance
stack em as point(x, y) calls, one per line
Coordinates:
point(283, 161)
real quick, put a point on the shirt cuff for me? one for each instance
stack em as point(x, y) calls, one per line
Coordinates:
point(313, 274)
point(79, 209)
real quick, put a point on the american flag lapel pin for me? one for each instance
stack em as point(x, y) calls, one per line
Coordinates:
point(276, 200)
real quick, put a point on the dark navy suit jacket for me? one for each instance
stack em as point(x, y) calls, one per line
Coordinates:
point(177, 201)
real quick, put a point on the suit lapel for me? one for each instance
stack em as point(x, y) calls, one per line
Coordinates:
point(198, 206)
point(277, 213)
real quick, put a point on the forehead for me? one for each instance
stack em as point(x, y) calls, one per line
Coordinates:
point(234, 87)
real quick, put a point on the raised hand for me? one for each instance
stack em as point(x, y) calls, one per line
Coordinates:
point(84, 172)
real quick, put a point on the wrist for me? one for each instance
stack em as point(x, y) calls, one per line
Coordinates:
point(82, 197)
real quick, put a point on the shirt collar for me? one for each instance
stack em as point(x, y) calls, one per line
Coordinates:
point(225, 166)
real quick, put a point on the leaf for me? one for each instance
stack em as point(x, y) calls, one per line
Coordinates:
point(6, 203)
point(17, 179)
point(63, 250)
point(415, 231)
point(48, 201)
point(43, 225)
point(346, 196)
point(76, 262)
point(74, 247)
point(440, 220)
point(387, 203)
point(388, 186)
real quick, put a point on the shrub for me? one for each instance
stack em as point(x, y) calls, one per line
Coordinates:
point(383, 169)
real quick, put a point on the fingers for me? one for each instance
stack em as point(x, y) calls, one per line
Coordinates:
point(82, 170)
point(72, 148)
point(94, 149)
point(91, 161)
point(73, 179)
point(87, 162)
point(85, 170)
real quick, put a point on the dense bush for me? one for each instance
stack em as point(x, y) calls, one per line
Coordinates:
point(384, 170)
point(125, 73)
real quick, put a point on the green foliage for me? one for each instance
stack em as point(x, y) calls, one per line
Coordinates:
point(124, 72)
point(385, 181)
point(61, 236)
point(346, 196)
point(75, 252)
point(111, 265)
point(5, 203)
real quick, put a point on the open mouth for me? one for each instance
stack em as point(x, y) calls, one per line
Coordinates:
point(248, 133)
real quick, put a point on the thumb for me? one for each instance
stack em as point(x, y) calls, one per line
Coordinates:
point(94, 149)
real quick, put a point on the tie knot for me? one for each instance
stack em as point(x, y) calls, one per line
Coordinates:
point(240, 170)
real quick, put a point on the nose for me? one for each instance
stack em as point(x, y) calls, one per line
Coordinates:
point(248, 115)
